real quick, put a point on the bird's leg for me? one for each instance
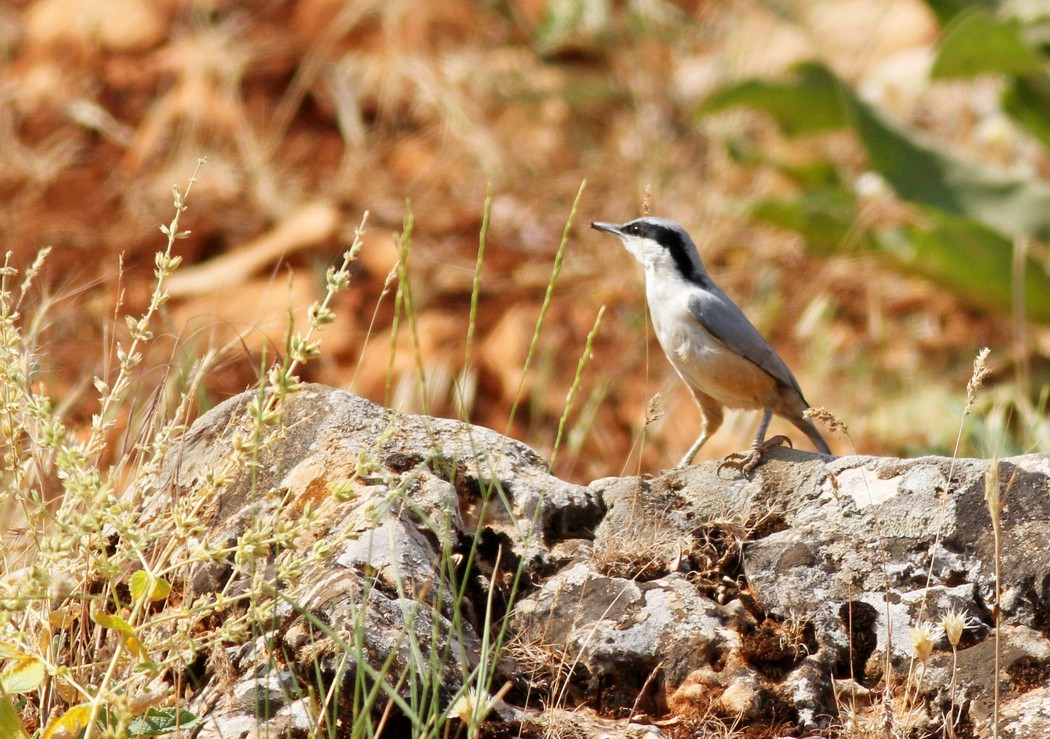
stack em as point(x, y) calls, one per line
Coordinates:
point(747, 461)
point(688, 458)
point(711, 419)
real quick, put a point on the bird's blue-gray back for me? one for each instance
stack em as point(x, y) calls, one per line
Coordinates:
point(721, 318)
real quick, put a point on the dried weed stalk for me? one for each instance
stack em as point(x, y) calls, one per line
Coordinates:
point(94, 616)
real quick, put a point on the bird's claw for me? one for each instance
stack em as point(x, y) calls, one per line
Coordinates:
point(747, 461)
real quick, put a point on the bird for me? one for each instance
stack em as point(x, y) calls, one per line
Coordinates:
point(716, 351)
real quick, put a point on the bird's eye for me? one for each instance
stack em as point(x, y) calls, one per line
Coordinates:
point(634, 229)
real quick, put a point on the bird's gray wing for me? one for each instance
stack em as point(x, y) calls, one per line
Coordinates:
point(721, 318)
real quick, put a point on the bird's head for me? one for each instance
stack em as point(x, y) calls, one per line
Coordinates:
point(662, 246)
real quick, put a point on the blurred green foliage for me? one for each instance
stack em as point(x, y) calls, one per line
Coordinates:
point(977, 42)
point(811, 102)
point(968, 214)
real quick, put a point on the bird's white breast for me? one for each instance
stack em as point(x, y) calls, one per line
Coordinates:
point(701, 360)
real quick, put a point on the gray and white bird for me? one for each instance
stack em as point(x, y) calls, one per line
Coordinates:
point(715, 349)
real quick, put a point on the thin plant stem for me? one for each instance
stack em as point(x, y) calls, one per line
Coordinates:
point(475, 292)
point(555, 271)
point(571, 395)
point(410, 310)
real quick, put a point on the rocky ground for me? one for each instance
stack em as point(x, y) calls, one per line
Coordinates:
point(805, 601)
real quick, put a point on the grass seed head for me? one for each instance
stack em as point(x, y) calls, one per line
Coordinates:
point(954, 623)
point(829, 419)
point(923, 637)
point(980, 371)
point(992, 497)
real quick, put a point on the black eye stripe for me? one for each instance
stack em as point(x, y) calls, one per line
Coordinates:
point(663, 236)
point(677, 245)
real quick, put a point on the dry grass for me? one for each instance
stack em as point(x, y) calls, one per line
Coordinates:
point(97, 626)
point(645, 551)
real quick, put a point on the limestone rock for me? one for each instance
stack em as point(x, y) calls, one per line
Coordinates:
point(418, 554)
point(396, 505)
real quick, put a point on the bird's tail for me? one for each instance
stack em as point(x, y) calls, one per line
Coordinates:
point(809, 428)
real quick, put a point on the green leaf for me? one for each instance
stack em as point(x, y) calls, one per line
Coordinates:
point(1027, 101)
point(110, 621)
point(810, 102)
point(978, 43)
point(824, 218)
point(158, 721)
point(816, 173)
point(968, 258)
point(947, 10)
point(10, 725)
point(973, 212)
point(972, 260)
point(920, 173)
point(23, 675)
point(144, 586)
point(130, 640)
point(916, 170)
point(69, 724)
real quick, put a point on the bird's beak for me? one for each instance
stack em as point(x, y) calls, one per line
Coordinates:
point(609, 228)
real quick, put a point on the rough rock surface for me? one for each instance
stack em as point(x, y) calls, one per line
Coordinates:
point(399, 504)
point(841, 560)
point(785, 601)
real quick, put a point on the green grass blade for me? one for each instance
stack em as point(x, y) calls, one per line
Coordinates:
point(581, 365)
point(559, 257)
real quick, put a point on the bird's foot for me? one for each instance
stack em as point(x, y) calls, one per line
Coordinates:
point(747, 461)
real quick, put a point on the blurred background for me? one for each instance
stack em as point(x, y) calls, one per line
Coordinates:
point(866, 178)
